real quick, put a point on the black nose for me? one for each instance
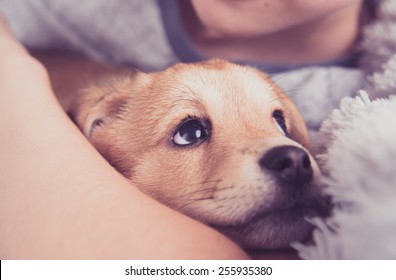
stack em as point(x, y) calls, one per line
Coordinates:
point(290, 164)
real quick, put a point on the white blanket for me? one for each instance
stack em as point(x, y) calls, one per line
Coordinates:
point(358, 155)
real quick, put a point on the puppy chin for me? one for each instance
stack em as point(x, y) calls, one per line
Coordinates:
point(273, 230)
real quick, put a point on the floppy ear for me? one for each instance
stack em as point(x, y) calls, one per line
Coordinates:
point(97, 107)
point(98, 110)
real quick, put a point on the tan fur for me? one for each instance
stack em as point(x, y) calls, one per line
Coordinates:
point(218, 181)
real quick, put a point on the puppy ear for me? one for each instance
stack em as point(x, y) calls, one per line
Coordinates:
point(98, 106)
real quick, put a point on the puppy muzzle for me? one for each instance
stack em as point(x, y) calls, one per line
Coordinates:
point(289, 164)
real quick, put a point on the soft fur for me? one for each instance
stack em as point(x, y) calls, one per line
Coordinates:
point(251, 176)
point(357, 154)
point(133, 123)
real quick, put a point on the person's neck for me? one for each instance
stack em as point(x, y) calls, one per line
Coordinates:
point(325, 39)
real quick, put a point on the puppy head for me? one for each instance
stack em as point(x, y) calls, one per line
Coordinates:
point(217, 141)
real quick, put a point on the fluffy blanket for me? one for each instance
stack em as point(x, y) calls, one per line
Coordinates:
point(357, 145)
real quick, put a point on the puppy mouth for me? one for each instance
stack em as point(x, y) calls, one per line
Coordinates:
point(298, 206)
point(274, 229)
point(281, 214)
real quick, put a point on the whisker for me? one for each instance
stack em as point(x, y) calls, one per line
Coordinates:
point(293, 91)
point(219, 206)
point(207, 182)
point(279, 77)
point(206, 190)
point(276, 99)
point(203, 191)
point(195, 200)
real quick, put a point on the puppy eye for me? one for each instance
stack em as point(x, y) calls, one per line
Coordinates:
point(277, 115)
point(190, 131)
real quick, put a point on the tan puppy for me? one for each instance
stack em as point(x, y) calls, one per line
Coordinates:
point(216, 141)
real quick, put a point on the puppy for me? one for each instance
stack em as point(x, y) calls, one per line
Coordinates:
point(219, 142)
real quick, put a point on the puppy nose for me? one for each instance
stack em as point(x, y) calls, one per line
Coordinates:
point(290, 164)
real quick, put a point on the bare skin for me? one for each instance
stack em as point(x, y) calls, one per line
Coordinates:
point(293, 31)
